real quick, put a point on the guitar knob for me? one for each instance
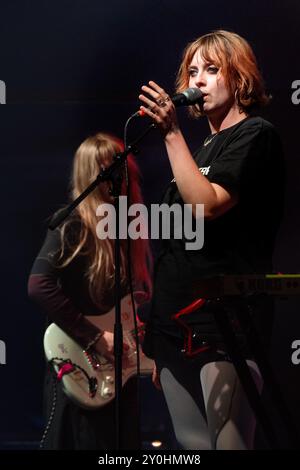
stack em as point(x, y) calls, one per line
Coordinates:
point(109, 379)
point(106, 392)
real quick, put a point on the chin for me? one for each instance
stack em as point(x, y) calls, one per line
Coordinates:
point(208, 109)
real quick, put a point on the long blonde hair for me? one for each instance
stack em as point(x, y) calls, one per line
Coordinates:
point(93, 154)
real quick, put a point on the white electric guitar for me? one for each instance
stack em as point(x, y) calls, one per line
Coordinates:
point(89, 378)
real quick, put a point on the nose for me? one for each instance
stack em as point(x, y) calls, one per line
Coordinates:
point(198, 80)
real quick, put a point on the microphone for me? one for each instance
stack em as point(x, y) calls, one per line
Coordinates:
point(188, 97)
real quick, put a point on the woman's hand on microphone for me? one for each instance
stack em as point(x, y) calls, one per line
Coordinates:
point(159, 107)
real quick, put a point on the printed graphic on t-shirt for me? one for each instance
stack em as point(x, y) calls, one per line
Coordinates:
point(204, 170)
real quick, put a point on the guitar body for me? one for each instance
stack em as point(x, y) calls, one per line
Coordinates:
point(57, 344)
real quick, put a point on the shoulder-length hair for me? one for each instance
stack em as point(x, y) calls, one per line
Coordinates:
point(236, 62)
point(93, 154)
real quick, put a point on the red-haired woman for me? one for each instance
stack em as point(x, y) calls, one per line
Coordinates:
point(237, 174)
point(73, 277)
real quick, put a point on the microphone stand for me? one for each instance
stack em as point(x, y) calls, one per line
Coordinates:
point(114, 174)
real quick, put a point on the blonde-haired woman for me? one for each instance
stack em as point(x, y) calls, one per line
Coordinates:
point(72, 277)
point(237, 173)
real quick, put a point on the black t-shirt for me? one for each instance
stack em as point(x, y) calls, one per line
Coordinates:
point(62, 292)
point(245, 159)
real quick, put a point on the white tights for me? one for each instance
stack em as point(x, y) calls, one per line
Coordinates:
point(230, 421)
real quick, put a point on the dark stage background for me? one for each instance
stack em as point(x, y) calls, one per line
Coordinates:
point(74, 67)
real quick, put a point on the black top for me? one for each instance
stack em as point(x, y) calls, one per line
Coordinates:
point(247, 160)
point(63, 292)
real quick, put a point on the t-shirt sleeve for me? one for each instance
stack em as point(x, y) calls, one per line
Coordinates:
point(44, 288)
point(242, 158)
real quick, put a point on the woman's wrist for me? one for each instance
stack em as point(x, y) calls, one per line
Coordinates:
point(174, 132)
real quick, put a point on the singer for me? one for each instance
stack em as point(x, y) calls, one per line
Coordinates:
point(73, 276)
point(238, 174)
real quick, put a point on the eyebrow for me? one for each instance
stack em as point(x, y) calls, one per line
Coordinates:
point(205, 64)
